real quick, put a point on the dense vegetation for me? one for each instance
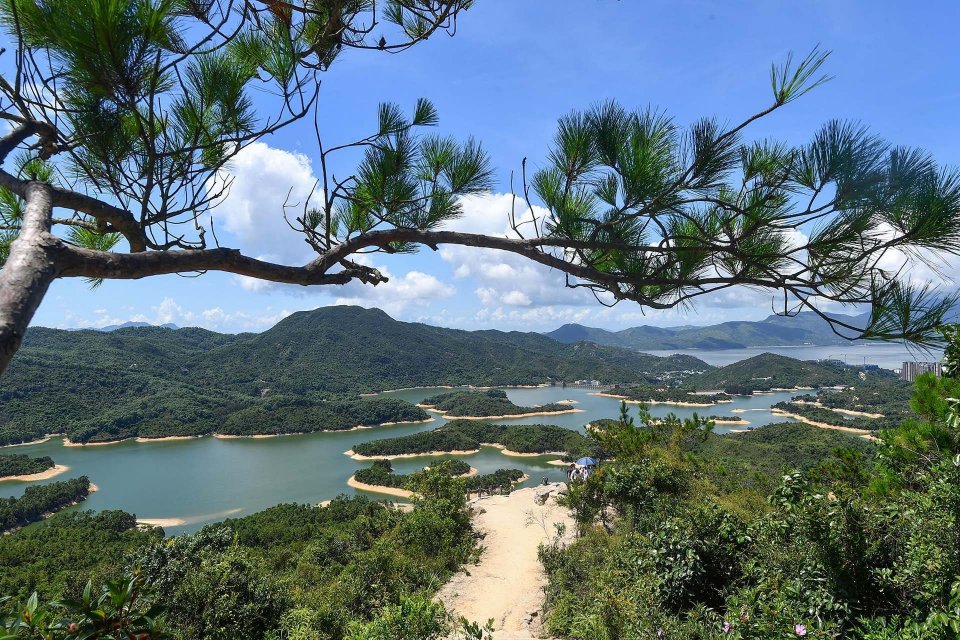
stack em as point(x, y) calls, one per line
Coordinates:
point(381, 474)
point(185, 412)
point(881, 394)
point(56, 557)
point(468, 435)
point(760, 457)
point(490, 403)
point(19, 465)
point(771, 371)
point(293, 571)
point(828, 416)
point(146, 381)
point(647, 393)
point(863, 544)
point(39, 500)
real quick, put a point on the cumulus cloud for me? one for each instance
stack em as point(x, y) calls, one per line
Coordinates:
point(399, 293)
point(263, 179)
point(504, 278)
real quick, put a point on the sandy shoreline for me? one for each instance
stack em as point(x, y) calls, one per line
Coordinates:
point(730, 421)
point(446, 414)
point(68, 443)
point(374, 488)
point(674, 403)
point(163, 439)
point(849, 412)
point(517, 454)
point(31, 442)
point(162, 522)
point(399, 456)
point(863, 433)
point(52, 472)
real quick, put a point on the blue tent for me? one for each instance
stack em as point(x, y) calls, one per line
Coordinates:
point(587, 462)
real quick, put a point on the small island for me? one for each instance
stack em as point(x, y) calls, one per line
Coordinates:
point(24, 468)
point(645, 394)
point(38, 502)
point(463, 437)
point(380, 478)
point(489, 404)
point(271, 415)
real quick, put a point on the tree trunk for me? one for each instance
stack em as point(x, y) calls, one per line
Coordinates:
point(28, 272)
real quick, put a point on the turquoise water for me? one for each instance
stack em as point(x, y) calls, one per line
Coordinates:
point(207, 479)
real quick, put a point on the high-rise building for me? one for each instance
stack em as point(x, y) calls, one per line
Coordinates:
point(910, 370)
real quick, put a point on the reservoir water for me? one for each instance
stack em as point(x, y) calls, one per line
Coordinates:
point(203, 480)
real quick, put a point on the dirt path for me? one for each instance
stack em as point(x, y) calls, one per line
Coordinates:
point(507, 584)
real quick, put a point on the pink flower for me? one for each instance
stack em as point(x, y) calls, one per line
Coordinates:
point(726, 627)
point(800, 629)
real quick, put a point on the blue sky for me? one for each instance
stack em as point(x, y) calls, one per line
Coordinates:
point(512, 69)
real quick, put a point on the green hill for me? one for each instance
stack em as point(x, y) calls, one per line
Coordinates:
point(349, 349)
point(301, 375)
point(771, 371)
point(491, 403)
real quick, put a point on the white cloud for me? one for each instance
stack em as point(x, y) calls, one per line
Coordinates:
point(398, 293)
point(263, 179)
point(505, 278)
point(169, 311)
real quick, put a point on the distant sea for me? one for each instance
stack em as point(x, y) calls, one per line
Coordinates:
point(887, 356)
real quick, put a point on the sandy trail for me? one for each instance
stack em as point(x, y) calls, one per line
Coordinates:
point(507, 584)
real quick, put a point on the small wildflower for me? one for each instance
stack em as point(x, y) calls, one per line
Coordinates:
point(726, 627)
point(659, 633)
point(800, 629)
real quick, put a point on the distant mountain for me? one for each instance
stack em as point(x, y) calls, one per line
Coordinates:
point(135, 325)
point(775, 331)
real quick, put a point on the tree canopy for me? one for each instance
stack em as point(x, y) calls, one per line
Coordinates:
point(124, 115)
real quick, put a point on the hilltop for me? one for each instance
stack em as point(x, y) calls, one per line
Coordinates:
point(803, 329)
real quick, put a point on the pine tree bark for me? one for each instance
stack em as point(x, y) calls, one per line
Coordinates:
point(28, 271)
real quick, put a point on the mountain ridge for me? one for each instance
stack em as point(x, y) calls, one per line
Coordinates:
point(806, 328)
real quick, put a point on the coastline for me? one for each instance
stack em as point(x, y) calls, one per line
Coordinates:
point(163, 438)
point(219, 436)
point(447, 416)
point(68, 443)
point(517, 454)
point(863, 433)
point(52, 472)
point(740, 421)
point(849, 412)
point(675, 403)
point(161, 522)
point(45, 438)
point(399, 456)
point(374, 488)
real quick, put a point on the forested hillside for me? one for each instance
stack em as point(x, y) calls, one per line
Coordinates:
point(301, 375)
point(772, 371)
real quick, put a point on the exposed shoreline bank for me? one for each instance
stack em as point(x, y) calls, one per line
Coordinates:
point(220, 436)
point(675, 403)
point(52, 472)
point(863, 433)
point(510, 416)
